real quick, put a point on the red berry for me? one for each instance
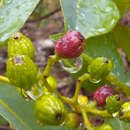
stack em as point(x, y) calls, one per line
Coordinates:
point(70, 45)
point(102, 93)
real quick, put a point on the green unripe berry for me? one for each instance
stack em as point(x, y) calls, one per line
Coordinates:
point(72, 120)
point(113, 103)
point(21, 71)
point(82, 100)
point(125, 112)
point(104, 127)
point(100, 68)
point(49, 110)
point(20, 45)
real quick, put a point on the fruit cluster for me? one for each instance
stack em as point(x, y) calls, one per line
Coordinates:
point(50, 108)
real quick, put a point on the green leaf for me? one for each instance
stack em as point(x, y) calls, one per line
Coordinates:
point(122, 37)
point(56, 36)
point(117, 124)
point(90, 17)
point(18, 111)
point(103, 46)
point(3, 121)
point(13, 15)
point(123, 5)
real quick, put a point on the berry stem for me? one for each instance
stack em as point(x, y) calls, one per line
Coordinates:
point(78, 86)
point(87, 58)
point(63, 98)
point(95, 111)
point(4, 79)
point(120, 86)
point(51, 62)
point(87, 124)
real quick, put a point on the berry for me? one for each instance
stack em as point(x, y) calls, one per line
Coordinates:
point(49, 110)
point(72, 120)
point(70, 45)
point(82, 100)
point(100, 68)
point(104, 127)
point(20, 45)
point(113, 103)
point(125, 112)
point(102, 93)
point(21, 71)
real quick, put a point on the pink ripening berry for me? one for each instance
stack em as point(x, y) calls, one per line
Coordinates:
point(102, 93)
point(70, 45)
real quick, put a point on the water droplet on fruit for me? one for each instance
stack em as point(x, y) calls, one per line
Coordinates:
point(72, 65)
point(35, 92)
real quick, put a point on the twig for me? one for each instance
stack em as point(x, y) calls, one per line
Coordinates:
point(44, 17)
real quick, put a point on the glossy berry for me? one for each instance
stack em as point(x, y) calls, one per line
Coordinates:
point(49, 110)
point(104, 127)
point(125, 112)
point(70, 45)
point(20, 45)
point(21, 71)
point(113, 103)
point(102, 93)
point(72, 120)
point(100, 68)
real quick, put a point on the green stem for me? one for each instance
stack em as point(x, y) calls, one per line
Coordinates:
point(119, 85)
point(1, 3)
point(4, 79)
point(87, 124)
point(51, 62)
point(95, 111)
point(78, 86)
point(63, 98)
point(87, 58)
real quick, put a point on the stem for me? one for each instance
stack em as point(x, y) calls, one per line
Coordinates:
point(120, 86)
point(78, 86)
point(87, 124)
point(1, 3)
point(87, 58)
point(95, 111)
point(65, 99)
point(4, 79)
point(51, 62)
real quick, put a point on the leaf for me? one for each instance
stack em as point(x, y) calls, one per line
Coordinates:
point(18, 111)
point(3, 121)
point(90, 17)
point(103, 46)
point(117, 124)
point(13, 15)
point(122, 37)
point(123, 5)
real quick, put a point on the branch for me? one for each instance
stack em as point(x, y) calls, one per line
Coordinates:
point(44, 17)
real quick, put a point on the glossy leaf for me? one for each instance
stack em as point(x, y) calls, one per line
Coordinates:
point(122, 37)
point(117, 124)
point(13, 15)
point(18, 111)
point(90, 17)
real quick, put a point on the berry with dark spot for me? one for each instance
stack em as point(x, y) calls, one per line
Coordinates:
point(20, 45)
point(100, 68)
point(102, 93)
point(50, 110)
point(71, 45)
point(113, 103)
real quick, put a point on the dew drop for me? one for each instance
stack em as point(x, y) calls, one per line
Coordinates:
point(35, 92)
point(72, 65)
point(8, 1)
